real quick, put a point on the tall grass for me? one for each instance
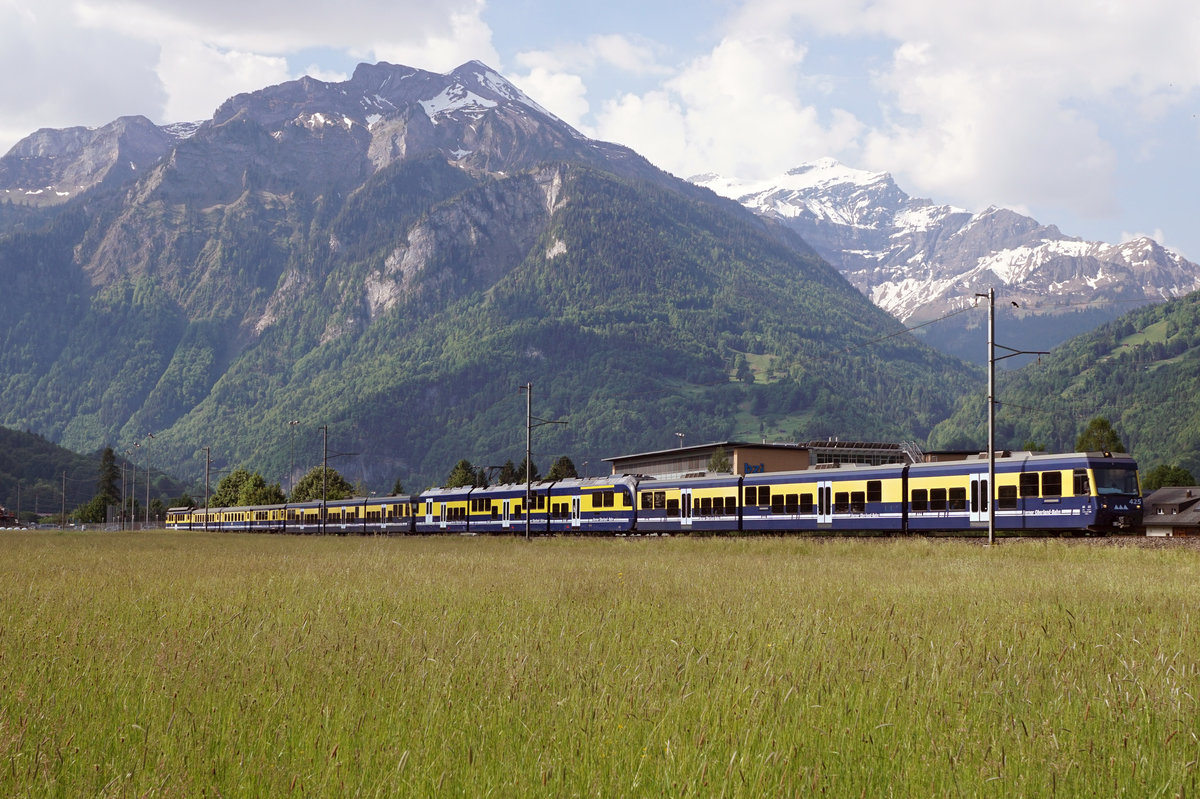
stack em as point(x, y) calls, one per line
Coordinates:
point(186, 665)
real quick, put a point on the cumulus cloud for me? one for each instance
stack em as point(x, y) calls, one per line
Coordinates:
point(739, 110)
point(976, 104)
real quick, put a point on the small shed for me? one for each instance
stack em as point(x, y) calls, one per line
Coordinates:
point(1172, 511)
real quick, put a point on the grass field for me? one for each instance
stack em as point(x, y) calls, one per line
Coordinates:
point(165, 664)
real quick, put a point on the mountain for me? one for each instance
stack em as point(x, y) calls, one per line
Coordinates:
point(1142, 372)
point(920, 261)
point(380, 264)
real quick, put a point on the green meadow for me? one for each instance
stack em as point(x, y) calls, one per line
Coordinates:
point(176, 664)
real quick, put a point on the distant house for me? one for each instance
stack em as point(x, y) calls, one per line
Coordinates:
point(1172, 511)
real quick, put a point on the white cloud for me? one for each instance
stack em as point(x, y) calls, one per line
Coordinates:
point(739, 110)
point(972, 103)
point(59, 74)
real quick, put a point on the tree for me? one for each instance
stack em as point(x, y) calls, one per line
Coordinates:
point(742, 370)
point(1099, 436)
point(255, 491)
point(719, 461)
point(106, 484)
point(509, 475)
point(397, 488)
point(229, 490)
point(310, 486)
point(533, 470)
point(562, 469)
point(94, 512)
point(463, 474)
point(1164, 475)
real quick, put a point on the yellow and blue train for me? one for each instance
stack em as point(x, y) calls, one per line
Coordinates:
point(1072, 493)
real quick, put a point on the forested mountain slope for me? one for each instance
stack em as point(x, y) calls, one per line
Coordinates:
point(1141, 371)
point(387, 260)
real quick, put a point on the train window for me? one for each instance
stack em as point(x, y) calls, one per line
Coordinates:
point(874, 491)
point(841, 502)
point(660, 500)
point(806, 503)
point(1082, 485)
point(672, 505)
point(1029, 484)
point(792, 503)
point(731, 506)
point(1007, 499)
point(958, 499)
point(607, 499)
point(647, 500)
point(626, 500)
point(1052, 484)
point(937, 499)
point(777, 503)
point(706, 506)
point(920, 499)
point(858, 502)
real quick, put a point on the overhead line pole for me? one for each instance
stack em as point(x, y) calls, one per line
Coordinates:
point(529, 425)
point(991, 400)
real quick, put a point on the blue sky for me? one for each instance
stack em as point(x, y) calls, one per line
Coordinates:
point(1081, 113)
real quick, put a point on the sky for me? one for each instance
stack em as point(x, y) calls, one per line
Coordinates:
point(1081, 113)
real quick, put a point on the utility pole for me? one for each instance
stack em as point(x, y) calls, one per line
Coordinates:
point(292, 455)
point(324, 474)
point(529, 425)
point(62, 524)
point(148, 482)
point(990, 498)
point(207, 462)
point(528, 389)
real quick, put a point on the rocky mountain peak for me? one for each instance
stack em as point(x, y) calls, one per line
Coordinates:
point(50, 166)
point(920, 260)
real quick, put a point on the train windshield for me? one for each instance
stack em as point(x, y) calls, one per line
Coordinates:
point(1116, 481)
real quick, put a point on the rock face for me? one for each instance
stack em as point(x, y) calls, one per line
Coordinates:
point(920, 261)
point(51, 166)
point(386, 259)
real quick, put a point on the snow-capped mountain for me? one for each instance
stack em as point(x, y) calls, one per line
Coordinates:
point(919, 261)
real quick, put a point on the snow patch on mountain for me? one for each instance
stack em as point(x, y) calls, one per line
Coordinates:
point(919, 260)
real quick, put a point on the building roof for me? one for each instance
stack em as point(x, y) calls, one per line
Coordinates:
point(1176, 506)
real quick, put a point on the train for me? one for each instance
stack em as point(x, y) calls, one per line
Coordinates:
point(1080, 493)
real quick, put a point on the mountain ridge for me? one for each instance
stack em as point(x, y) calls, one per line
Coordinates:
point(391, 280)
point(919, 260)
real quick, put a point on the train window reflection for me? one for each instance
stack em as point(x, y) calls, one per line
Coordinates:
point(1116, 481)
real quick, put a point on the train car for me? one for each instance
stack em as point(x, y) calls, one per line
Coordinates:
point(689, 504)
point(846, 498)
point(180, 518)
point(444, 510)
point(389, 515)
point(498, 510)
point(591, 505)
point(1076, 492)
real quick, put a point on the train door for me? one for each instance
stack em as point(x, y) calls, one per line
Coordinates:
point(507, 515)
point(576, 511)
point(685, 507)
point(980, 496)
point(442, 517)
point(825, 502)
